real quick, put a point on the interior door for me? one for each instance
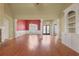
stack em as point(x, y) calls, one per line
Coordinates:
point(46, 30)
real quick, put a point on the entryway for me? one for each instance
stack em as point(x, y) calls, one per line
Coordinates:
point(46, 29)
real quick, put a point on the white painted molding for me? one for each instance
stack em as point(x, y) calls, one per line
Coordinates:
point(71, 40)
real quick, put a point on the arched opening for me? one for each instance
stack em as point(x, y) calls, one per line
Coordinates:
point(71, 22)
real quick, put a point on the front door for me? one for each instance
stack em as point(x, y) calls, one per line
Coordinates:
point(46, 30)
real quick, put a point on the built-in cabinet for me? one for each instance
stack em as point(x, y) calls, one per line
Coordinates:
point(71, 21)
point(70, 37)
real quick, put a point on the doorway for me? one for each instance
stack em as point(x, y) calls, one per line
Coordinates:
point(46, 29)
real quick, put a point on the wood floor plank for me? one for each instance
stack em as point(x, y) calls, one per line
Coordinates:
point(35, 45)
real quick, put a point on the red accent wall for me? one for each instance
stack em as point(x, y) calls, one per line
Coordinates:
point(24, 24)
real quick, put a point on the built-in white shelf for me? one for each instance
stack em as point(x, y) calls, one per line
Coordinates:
point(71, 16)
point(71, 21)
point(70, 36)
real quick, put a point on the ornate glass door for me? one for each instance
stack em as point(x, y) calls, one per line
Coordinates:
point(46, 29)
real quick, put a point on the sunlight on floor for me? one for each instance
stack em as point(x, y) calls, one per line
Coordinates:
point(56, 39)
point(46, 41)
point(33, 42)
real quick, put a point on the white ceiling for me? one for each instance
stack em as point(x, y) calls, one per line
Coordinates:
point(43, 10)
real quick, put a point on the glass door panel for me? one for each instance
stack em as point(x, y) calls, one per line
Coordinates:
point(46, 29)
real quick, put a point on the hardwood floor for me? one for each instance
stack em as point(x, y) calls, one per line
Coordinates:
point(35, 45)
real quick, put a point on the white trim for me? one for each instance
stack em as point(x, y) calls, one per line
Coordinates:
point(71, 40)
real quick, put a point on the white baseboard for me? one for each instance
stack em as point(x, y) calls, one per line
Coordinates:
point(70, 47)
point(71, 40)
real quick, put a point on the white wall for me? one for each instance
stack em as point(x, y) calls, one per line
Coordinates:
point(71, 40)
point(5, 30)
point(56, 27)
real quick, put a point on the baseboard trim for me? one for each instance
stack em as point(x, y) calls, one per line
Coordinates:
point(70, 47)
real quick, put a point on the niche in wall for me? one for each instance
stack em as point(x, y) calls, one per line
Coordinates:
point(71, 21)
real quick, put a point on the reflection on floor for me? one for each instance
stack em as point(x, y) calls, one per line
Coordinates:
point(45, 45)
point(33, 42)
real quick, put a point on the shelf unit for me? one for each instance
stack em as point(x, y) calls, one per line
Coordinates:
point(71, 22)
point(70, 36)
